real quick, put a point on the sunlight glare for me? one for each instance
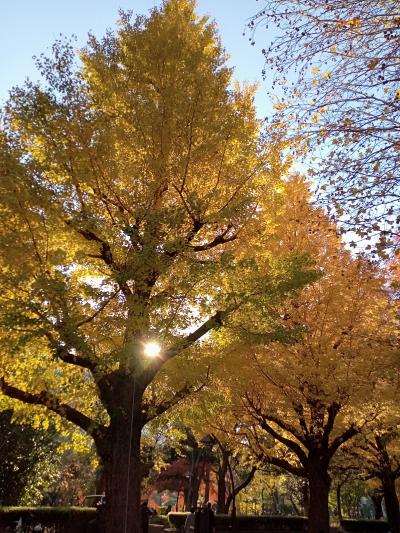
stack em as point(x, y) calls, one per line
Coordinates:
point(152, 349)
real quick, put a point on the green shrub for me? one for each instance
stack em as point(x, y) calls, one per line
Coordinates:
point(263, 523)
point(62, 519)
point(177, 520)
point(164, 510)
point(249, 522)
point(159, 519)
point(365, 526)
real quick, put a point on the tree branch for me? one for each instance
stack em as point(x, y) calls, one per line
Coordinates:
point(345, 436)
point(178, 396)
point(286, 427)
point(282, 463)
point(263, 420)
point(212, 323)
point(74, 359)
point(219, 239)
point(290, 444)
point(46, 399)
point(333, 410)
point(99, 310)
point(65, 355)
point(240, 487)
point(299, 410)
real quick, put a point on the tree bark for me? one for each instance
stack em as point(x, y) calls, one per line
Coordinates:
point(377, 501)
point(319, 484)
point(338, 501)
point(306, 497)
point(207, 468)
point(222, 473)
point(391, 503)
point(194, 479)
point(122, 466)
point(235, 490)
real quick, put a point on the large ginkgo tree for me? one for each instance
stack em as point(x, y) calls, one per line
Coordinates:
point(130, 177)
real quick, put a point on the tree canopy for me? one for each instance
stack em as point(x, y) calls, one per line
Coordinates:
point(296, 403)
point(134, 179)
point(335, 69)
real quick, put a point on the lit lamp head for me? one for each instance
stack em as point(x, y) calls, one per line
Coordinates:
point(152, 349)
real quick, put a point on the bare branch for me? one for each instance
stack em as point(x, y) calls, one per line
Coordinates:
point(99, 310)
point(178, 396)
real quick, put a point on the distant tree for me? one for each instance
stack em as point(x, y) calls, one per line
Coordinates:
point(234, 473)
point(297, 403)
point(76, 478)
point(377, 456)
point(27, 461)
point(337, 63)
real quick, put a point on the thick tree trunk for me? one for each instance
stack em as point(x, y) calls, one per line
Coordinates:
point(196, 488)
point(232, 497)
point(391, 503)
point(122, 513)
point(377, 501)
point(122, 464)
point(319, 484)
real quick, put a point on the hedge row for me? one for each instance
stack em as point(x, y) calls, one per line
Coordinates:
point(280, 523)
point(248, 522)
point(78, 519)
point(365, 526)
point(60, 519)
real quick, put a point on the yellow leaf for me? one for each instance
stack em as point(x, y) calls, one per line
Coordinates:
point(372, 64)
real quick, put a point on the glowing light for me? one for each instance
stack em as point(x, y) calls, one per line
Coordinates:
point(152, 349)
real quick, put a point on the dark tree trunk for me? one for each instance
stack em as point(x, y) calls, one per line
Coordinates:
point(391, 503)
point(377, 502)
point(275, 502)
point(306, 497)
point(121, 463)
point(338, 501)
point(123, 494)
point(222, 472)
point(235, 490)
point(294, 505)
point(207, 483)
point(195, 479)
point(232, 497)
point(196, 487)
point(319, 484)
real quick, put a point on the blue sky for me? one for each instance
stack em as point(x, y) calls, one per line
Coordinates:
point(29, 27)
